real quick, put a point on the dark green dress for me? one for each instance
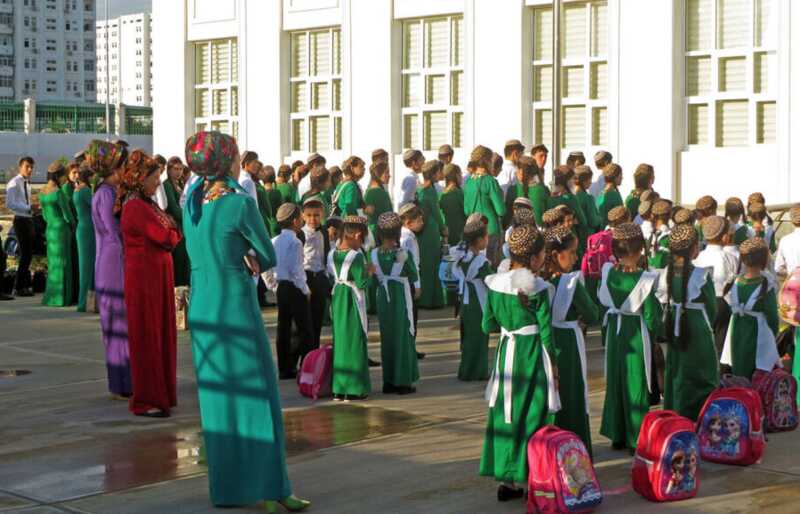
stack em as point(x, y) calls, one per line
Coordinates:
point(606, 201)
point(538, 194)
point(180, 259)
point(57, 212)
point(632, 202)
point(378, 198)
point(659, 252)
point(68, 188)
point(451, 201)
point(288, 192)
point(84, 235)
point(430, 249)
point(482, 194)
point(589, 208)
point(581, 223)
point(472, 272)
point(275, 199)
point(348, 198)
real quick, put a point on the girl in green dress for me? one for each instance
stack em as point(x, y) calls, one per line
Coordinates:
point(632, 322)
point(659, 240)
point(691, 371)
point(82, 198)
point(430, 239)
point(285, 185)
point(759, 226)
point(528, 185)
point(57, 212)
point(274, 199)
point(472, 267)
point(395, 272)
point(610, 196)
point(377, 199)
point(172, 190)
point(570, 303)
point(347, 199)
point(523, 389)
point(451, 202)
point(750, 342)
point(483, 195)
point(643, 179)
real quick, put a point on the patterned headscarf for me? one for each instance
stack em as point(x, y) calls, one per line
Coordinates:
point(104, 157)
point(524, 217)
point(557, 234)
point(211, 155)
point(661, 208)
point(138, 167)
point(682, 238)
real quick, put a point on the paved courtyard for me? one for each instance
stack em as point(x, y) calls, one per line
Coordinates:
point(65, 446)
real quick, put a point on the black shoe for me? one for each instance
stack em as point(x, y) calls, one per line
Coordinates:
point(373, 364)
point(420, 356)
point(5, 297)
point(618, 446)
point(389, 389)
point(288, 375)
point(403, 390)
point(505, 493)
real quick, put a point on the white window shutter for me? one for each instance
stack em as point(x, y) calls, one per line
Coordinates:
point(698, 124)
point(764, 70)
point(220, 102)
point(457, 129)
point(599, 126)
point(436, 43)
point(543, 34)
point(337, 52)
point(457, 88)
point(202, 104)
point(299, 54)
point(544, 127)
point(220, 61)
point(766, 23)
point(337, 133)
point(234, 101)
point(412, 44)
point(298, 135)
point(573, 81)
point(410, 131)
point(542, 83)
point(320, 134)
point(412, 90)
point(299, 95)
point(732, 123)
point(699, 24)
point(734, 18)
point(732, 74)
point(573, 126)
point(766, 127)
point(234, 60)
point(435, 90)
point(574, 42)
point(435, 129)
point(599, 79)
point(599, 29)
point(321, 53)
point(337, 95)
point(202, 70)
point(320, 96)
point(457, 37)
point(698, 75)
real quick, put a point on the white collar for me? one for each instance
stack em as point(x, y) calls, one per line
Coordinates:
point(516, 281)
point(289, 232)
point(713, 248)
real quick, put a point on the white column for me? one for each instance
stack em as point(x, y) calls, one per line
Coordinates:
point(29, 116)
point(119, 119)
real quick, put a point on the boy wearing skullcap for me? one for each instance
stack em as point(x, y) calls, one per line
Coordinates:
point(395, 272)
point(760, 225)
point(602, 160)
point(512, 151)
point(610, 197)
point(643, 179)
point(407, 181)
point(581, 184)
point(750, 343)
point(483, 195)
point(527, 185)
point(430, 238)
point(688, 294)
point(658, 243)
point(523, 391)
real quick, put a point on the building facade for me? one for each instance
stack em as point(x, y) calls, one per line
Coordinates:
point(47, 50)
point(700, 89)
point(129, 60)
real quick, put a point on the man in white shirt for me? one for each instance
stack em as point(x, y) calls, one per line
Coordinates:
point(413, 223)
point(405, 189)
point(18, 201)
point(512, 151)
point(314, 161)
point(787, 258)
point(161, 196)
point(601, 160)
point(293, 293)
point(249, 167)
point(315, 252)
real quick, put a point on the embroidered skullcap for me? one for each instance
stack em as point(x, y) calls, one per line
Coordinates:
point(211, 153)
point(103, 157)
point(794, 214)
point(612, 171)
point(683, 216)
point(522, 241)
point(315, 158)
point(557, 234)
point(513, 144)
point(553, 217)
point(406, 208)
point(753, 246)
point(734, 206)
point(524, 217)
point(445, 150)
point(482, 156)
point(649, 196)
point(583, 171)
point(577, 154)
point(313, 201)
point(757, 208)
point(661, 208)
point(755, 198)
point(644, 208)
point(682, 238)
point(714, 227)
point(618, 214)
point(56, 166)
point(476, 222)
point(626, 232)
point(411, 155)
point(389, 221)
point(706, 204)
point(355, 221)
point(522, 202)
point(430, 166)
point(286, 212)
point(378, 153)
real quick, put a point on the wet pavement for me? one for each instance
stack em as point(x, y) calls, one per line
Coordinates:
point(65, 446)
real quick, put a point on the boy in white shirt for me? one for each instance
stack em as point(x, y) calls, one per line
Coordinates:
point(315, 257)
point(413, 223)
point(407, 182)
point(512, 150)
point(249, 167)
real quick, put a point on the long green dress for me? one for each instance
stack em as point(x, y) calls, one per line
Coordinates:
point(606, 201)
point(240, 406)
point(691, 373)
point(57, 212)
point(632, 202)
point(69, 190)
point(180, 259)
point(505, 444)
point(538, 194)
point(570, 303)
point(627, 398)
point(288, 192)
point(472, 271)
point(589, 208)
point(84, 234)
point(350, 366)
point(378, 198)
point(275, 199)
point(430, 249)
point(264, 207)
point(483, 195)
point(451, 201)
point(396, 271)
point(348, 198)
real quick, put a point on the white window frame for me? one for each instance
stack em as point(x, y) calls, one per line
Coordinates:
point(232, 116)
point(423, 71)
point(714, 95)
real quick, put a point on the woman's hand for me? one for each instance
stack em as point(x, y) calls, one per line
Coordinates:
point(252, 264)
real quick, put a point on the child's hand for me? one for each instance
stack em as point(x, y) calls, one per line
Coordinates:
point(417, 293)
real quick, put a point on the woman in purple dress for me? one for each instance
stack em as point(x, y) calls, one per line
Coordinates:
point(106, 159)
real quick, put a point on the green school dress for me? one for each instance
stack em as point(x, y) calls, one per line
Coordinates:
point(521, 406)
point(275, 201)
point(589, 208)
point(349, 314)
point(482, 194)
point(606, 201)
point(347, 198)
point(84, 235)
point(632, 202)
point(57, 212)
point(430, 249)
point(378, 198)
point(633, 320)
point(472, 270)
point(539, 196)
point(691, 373)
point(740, 234)
point(180, 259)
point(451, 201)
point(395, 272)
point(571, 301)
point(660, 255)
point(288, 192)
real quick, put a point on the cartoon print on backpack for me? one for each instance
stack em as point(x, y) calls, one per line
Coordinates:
point(681, 459)
point(722, 428)
point(578, 475)
point(785, 414)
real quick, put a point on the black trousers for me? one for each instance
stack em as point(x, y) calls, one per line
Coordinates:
point(320, 288)
point(292, 309)
point(23, 228)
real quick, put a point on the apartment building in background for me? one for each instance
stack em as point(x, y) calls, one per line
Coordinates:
point(129, 60)
point(700, 89)
point(47, 50)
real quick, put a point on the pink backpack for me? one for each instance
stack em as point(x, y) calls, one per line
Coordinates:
point(789, 299)
point(314, 379)
point(561, 476)
point(778, 391)
point(598, 252)
point(667, 454)
point(729, 427)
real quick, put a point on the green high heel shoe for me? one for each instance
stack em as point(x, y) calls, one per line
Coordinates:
point(290, 503)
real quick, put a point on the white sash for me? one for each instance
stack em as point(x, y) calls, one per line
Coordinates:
point(632, 306)
point(766, 349)
point(562, 301)
point(694, 289)
point(341, 278)
point(471, 278)
point(394, 275)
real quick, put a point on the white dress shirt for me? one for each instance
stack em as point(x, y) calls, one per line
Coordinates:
point(408, 242)
point(16, 201)
point(597, 186)
point(507, 176)
point(289, 251)
point(647, 228)
point(787, 258)
point(161, 196)
point(314, 250)
point(246, 181)
point(405, 189)
point(304, 186)
point(723, 263)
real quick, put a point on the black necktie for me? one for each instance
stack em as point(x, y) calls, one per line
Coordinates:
point(25, 188)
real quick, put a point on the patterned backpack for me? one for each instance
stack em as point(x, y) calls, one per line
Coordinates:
point(561, 476)
point(778, 391)
point(598, 252)
point(789, 299)
point(665, 467)
point(729, 427)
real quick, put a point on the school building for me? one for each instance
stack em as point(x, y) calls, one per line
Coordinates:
point(707, 91)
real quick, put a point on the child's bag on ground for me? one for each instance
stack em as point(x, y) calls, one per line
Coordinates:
point(778, 391)
point(729, 427)
point(561, 476)
point(314, 380)
point(665, 467)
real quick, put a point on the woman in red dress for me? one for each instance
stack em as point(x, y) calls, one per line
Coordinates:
point(149, 236)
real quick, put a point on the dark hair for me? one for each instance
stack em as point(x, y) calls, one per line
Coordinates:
point(297, 164)
point(160, 159)
point(624, 247)
point(336, 174)
point(55, 173)
point(317, 181)
point(85, 174)
point(452, 173)
point(758, 258)
point(474, 236)
point(285, 171)
point(350, 163)
point(376, 169)
point(174, 161)
point(538, 246)
point(733, 207)
point(269, 174)
point(686, 271)
point(497, 162)
point(429, 172)
point(555, 244)
point(27, 159)
point(562, 176)
point(247, 157)
point(352, 228)
point(605, 159)
point(528, 167)
point(288, 223)
point(392, 233)
point(642, 176)
point(416, 155)
point(575, 160)
point(539, 149)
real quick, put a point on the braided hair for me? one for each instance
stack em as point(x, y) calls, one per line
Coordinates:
point(682, 244)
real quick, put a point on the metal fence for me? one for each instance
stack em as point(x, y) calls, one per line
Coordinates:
point(12, 117)
point(73, 119)
point(139, 121)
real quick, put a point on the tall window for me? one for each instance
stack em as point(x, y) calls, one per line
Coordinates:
point(730, 90)
point(216, 86)
point(433, 82)
point(316, 90)
point(584, 75)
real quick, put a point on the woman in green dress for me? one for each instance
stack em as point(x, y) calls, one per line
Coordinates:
point(68, 187)
point(610, 196)
point(529, 185)
point(347, 200)
point(692, 370)
point(377, 199)
point(483, 195)
point(172, 188)
point(57, 212)
point(632, 322)
point(430, 239)
point(522, 392)
point(582, 182)
point(571, 302)
point(240, 406)
point(82, 198)
point(451, 202)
